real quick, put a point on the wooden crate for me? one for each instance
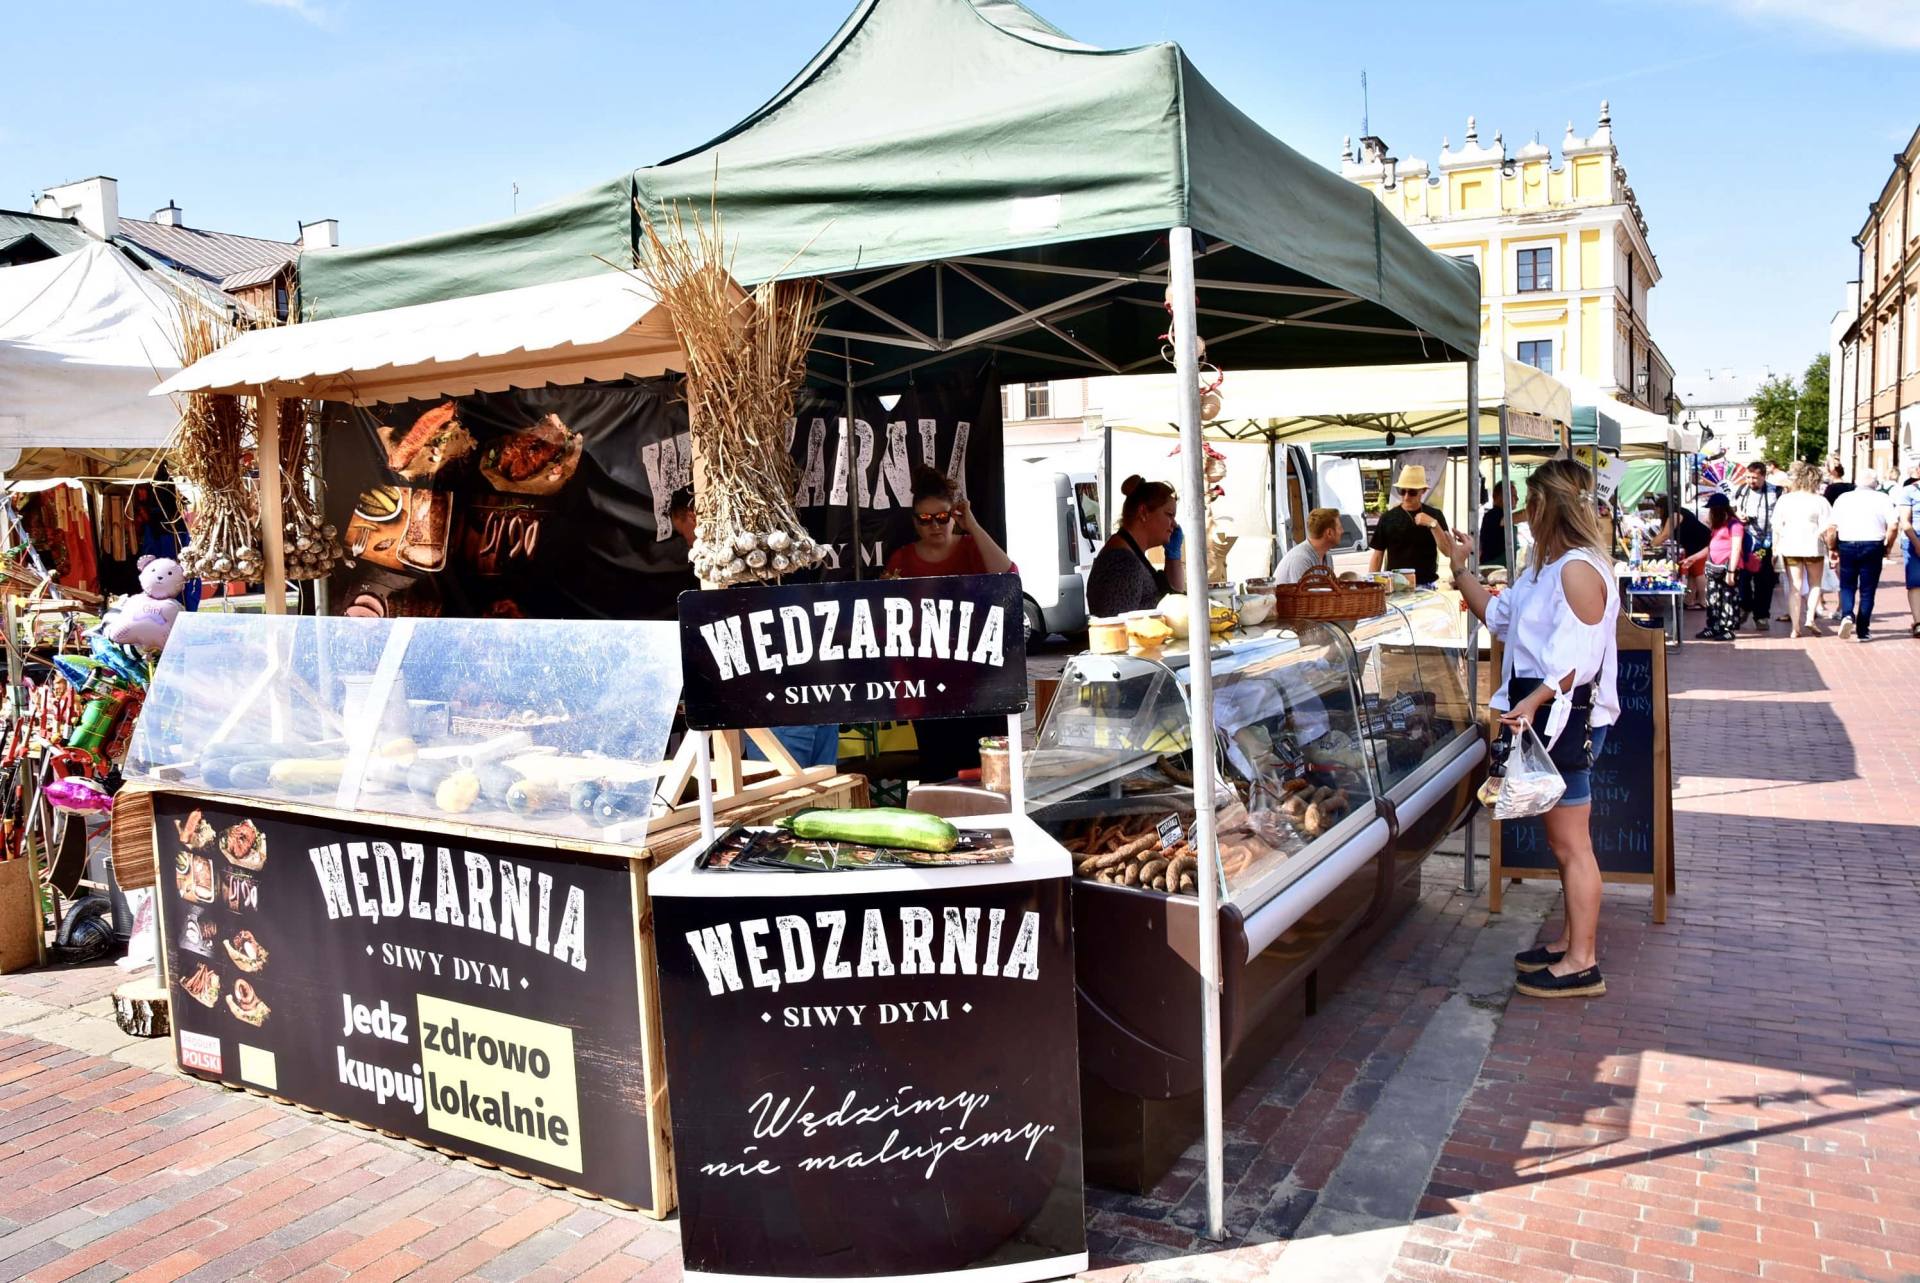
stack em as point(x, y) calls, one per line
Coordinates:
point(838, 791)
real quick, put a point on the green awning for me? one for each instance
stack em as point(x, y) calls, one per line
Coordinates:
point(1038, 173)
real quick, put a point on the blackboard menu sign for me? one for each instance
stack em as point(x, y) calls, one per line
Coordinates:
point(874, 1073)
point(877, 650)
point(482, 996)
point(1632, 816)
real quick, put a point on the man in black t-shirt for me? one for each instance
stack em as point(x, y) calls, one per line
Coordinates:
point(1404, 539)
point(1494, 527)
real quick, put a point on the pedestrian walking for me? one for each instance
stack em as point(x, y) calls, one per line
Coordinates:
point(1719, 561)
point(1556, 622)
point(1802, 533)
point(1837, 483)
point(1865, 527)
point(1906, 507)
point(1754, 501)
point(1495, 525)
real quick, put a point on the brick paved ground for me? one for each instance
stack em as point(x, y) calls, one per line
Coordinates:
point(1744, 1104)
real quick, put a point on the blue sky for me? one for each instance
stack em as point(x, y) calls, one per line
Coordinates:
point(1754, 131)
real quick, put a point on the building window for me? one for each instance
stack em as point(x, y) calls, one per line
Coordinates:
point(1719, 415)
point(1007, 391)
point(1538, 353)
point(280, 302)
point(1742, 447)
point(1533, 271)
point(1039, 401)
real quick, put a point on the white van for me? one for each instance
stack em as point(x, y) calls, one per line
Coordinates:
point(1053, 532)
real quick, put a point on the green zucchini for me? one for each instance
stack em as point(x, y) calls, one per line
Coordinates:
point(878, 826)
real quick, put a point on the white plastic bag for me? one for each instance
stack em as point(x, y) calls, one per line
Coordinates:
point(1533, 784)
point(1830, 581)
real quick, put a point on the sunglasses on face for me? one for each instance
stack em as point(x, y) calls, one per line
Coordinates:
point(1409, 494)
point(933, 518)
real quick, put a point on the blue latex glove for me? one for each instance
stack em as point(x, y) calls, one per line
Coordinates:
point(1176, 542)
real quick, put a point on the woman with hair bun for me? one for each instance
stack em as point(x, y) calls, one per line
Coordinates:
point(1557, 622)
point(1121, 578)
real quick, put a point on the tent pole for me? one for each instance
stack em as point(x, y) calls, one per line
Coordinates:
point(856, 476)
point(1506, 493)
point(273, 521)
point(1193, 515)
point(1106, 480)
point(1472, 526)
point(1276, 461)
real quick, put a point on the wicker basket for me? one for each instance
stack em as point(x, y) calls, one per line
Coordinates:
point(1319, 595)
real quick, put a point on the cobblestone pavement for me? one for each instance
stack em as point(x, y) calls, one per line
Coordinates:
point(1743, 1104)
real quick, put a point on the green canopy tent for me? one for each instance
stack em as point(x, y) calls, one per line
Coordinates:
point(1013, 198)
point(973, 184)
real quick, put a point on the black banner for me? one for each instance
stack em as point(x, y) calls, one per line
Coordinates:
point(482, 996)
point(873, 1085)
point(552, 502)
point(1625, 791)
point(879, 650)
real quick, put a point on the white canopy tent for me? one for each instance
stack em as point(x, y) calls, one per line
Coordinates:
point(83, 340)
point(598, 327)
point(1320, 406)
point(1392, 407)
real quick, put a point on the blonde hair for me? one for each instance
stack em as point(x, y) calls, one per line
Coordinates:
point(1561, 514)
point(1804, 476)
point(1321, 520)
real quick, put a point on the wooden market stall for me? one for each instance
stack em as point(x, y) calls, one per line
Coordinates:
point(1128, 207)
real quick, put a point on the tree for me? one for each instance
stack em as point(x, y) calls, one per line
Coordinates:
point(1775, 407)
point(1812, 445)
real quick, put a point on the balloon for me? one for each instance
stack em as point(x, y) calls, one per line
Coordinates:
point(80, 795)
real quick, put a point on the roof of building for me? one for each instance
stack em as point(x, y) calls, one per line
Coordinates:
point(214, 257)
point(254, 276)
point(66, 236)
point(61, 235)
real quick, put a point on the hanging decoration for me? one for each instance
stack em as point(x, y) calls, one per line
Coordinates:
point(746, 358)
point(208, 453)
point(313, 546)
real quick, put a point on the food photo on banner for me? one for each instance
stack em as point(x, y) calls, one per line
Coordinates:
point(476, 994)
point(553, 502)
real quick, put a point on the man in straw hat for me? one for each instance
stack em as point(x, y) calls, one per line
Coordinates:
point(1404, 539)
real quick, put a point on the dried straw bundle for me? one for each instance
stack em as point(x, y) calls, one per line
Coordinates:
point(312, 545)
point(746, 356)
point(206, 453)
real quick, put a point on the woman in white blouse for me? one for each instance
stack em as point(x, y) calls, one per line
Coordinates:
point(1556, 621)
point(1802, 535)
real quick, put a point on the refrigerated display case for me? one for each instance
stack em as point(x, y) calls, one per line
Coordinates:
point(1344, 752)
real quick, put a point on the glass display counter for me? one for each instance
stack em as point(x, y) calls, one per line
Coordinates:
point(375, 837)
point(555, 729)
point(1343, 753)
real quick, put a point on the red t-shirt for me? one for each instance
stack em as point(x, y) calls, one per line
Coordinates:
point(965, 560)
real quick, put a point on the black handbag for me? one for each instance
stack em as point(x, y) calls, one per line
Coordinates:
point(1573, 751)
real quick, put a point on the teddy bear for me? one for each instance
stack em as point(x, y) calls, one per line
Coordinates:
point(146, 618)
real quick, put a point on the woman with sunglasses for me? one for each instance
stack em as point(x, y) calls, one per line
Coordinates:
point(949, 540)
point(1558, 674)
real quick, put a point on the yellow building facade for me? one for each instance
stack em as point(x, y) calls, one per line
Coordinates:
point(1565, 269)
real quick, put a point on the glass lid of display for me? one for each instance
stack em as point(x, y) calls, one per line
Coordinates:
point(550, 727)
point(1413, 685)
point(1113, 755)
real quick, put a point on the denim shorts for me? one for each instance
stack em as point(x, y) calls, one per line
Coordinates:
point(1580, 783)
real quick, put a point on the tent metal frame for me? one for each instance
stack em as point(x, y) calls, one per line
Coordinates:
point(1047, 317)
point(1178, 274)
